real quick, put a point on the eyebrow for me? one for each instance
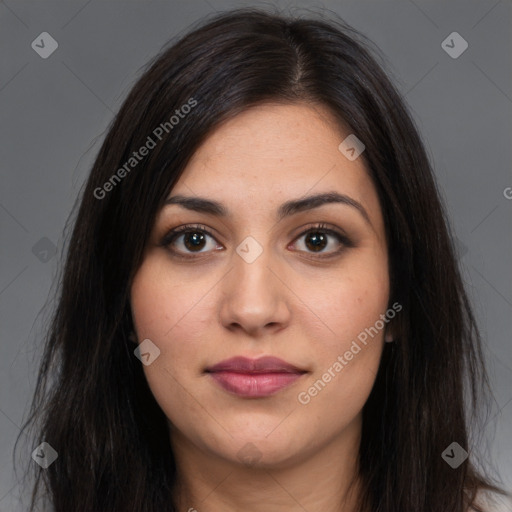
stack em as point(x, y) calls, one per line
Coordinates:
point(203, 205)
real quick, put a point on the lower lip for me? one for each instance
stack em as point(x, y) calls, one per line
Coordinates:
point(254, 385)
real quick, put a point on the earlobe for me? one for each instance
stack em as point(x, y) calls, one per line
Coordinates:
point(388, 338)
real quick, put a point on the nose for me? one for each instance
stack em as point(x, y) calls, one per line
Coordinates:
point(256, 297)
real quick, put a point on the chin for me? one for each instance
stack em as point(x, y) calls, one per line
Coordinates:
point(265, 452)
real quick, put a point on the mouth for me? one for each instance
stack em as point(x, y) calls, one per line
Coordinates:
point(254, 378)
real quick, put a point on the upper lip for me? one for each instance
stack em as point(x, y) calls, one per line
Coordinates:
point(265, 364)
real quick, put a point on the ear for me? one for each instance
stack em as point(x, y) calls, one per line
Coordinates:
point(394, 325)
point(389, 335)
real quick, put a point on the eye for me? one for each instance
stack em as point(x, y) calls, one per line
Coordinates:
point(317, 239)
point(193, 237)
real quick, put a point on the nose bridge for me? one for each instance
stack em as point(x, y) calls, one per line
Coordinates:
point(253, 295)
point(251, 274)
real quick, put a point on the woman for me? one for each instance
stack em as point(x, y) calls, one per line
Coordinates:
point(260, 307)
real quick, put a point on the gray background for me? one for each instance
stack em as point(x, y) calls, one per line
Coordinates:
point(54, 113)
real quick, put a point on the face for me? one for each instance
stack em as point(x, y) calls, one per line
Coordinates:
point(303, 284)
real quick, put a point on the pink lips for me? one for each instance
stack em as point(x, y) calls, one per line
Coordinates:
point(254, 377)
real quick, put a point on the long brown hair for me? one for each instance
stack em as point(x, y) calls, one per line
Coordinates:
point(92, 402)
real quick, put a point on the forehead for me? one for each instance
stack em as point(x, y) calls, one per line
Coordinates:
point(272, 153)
point(271, 134)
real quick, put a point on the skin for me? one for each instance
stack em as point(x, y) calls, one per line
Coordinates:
point(288, 303)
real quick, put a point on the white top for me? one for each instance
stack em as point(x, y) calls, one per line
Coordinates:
point(493, 502)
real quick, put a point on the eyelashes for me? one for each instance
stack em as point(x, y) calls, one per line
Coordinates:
point(321, 232)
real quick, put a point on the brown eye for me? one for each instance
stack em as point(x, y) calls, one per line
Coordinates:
point(192, 239)
point(316, 241)
point(319, 237)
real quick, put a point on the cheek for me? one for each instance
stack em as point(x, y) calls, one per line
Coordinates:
point(169, 311)
point(345, 321)
point(163, 300)
point(347, 307)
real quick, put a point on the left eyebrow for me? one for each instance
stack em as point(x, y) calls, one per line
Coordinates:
point(203, 205)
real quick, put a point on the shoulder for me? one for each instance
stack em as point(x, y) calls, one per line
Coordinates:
point(490, 501)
